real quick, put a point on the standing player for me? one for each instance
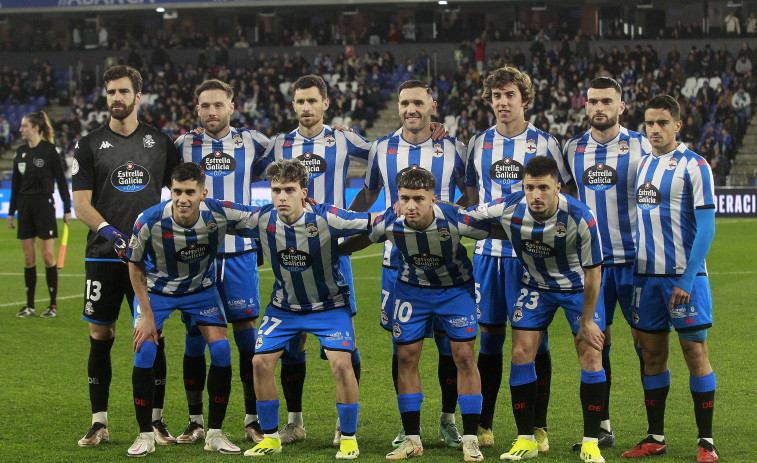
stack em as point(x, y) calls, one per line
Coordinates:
point(326, 153)
point(556, 239)
point(171, 255)
point(412, 147)
point(604, 160)
point(37, 166)
point(675, 227)
point(435, 280)
point(227, 154)
point(309, 294)
point(494, 169)
point(118, 171)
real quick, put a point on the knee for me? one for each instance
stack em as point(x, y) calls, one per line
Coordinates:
point(220, 353)
point(261, 366)
point(521, 354)
point(145, 356)
point(342, 370)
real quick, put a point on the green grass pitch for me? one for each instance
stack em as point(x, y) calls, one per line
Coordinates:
point(45, 406)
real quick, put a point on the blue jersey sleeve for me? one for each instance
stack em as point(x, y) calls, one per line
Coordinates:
point(343, 223)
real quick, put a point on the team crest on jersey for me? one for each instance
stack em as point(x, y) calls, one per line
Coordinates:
point(635, 317)
point(536, 248)
point(623, 147)
point(22, 167)
point(402, 172)
point(384, 318)
point(259, 342)
point(39, 162)
point(237, 140)
point(218, 164)
point(426, 261)
point(294, 260)
point(134, 242)
point(672, 164)
point(600, 177)
point(530, 146)
point(438, 150)
point(444, 234)
point(481, 208)
point(88, 309)
point(506, 171)
point(311, 230)
point(148, 141)
point(212, 226)
point(329, 140)
point(195, 252)
point(315, 164)
point(75, 167)
point(130, 177)
point(560, 229)
point(648, 196)
point(396, 330)
point(517, 315)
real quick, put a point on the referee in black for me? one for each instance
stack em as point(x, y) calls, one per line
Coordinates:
point(36, 167)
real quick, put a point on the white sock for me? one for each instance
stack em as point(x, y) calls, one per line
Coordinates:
point(197, 419)
point(274, 435)
point(100, 417)
point(447, 417)
point(708, 439)
point(157, 414)
point(530, 437)
point(352, 437)
point(470, 437)
point(658, 437)
point(249, 419)
point(589, 439)
point(414, 438)
point(296, 418)
point(212, 433)
point(605, 424)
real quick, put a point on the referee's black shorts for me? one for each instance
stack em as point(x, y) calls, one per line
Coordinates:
point(36, 218)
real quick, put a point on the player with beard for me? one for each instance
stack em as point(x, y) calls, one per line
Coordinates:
point(227, 154)
point(118, 171)
point(604, 160)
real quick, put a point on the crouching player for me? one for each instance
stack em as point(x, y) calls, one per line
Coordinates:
point(434, 280)
point(171, 257)
point(310, 294)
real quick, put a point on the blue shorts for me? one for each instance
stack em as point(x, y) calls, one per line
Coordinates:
point(386, 318)
point(332, 327)
point(200, 308)
point(497, 284)
point(534, 309)
point(651, 300)
point(416, 309)
point(345, 266)
point(617, 286)
point(238, 285)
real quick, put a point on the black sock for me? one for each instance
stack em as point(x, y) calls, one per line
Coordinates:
point(292, 383)
point(490, 369)
point(655, 399)
point(470, 423)
point(447, 373)
point(219, 388)
point(704, 403)
point(30, 280)
point(143, 387)
point(411, 423)
point(606, 364)
point(523, 399)
point(99, 373)
point(248, 384)
point(51, 274)
point(160, 370)
point(592, 398)
point(395, 372)
point(543, 367)
point(194, 382)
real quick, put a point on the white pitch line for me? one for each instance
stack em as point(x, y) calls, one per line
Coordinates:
point(41, 300)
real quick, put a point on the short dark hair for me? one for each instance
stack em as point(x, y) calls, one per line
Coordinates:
point(189, 171)
point(118, 71)
point(507, 75)
point(540, 166)
point(414, 84)
point(309, 81)
point(288, 170)
point(214, 84)
point(417, 179)
point(606, 82)
point(667, 103)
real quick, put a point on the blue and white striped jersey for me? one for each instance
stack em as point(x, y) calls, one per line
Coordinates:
point(433, 257)
point(669, 188)
point(327, 156)
point(391, 155)
point(605, 176)
point(304, 256)
point(228, 164)
point(179, 260)
point(495, 166)
point(555, 251)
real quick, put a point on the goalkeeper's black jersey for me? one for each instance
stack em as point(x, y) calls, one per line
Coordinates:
point(125, 174)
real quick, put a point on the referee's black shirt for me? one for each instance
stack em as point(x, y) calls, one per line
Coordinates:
point(35, 170)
